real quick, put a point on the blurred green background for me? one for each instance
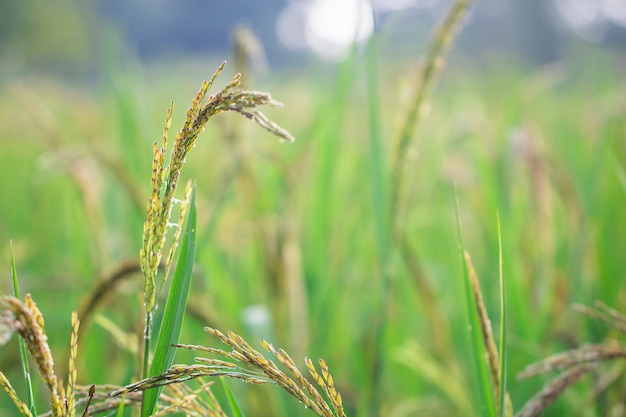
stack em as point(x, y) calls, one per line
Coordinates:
point(528, 122)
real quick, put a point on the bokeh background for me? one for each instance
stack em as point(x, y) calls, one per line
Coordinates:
point(69, 37)
point(528, 122)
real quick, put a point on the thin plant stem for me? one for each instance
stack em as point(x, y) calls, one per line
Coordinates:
point(28, 383)
point(146, 346)
point(433, 66)
point(165, 178)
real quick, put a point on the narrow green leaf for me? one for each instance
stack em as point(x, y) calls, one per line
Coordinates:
point(382, 225)
point(503, 314)
point(30, 397)
point(171, 325)
point(16, 291)
point(621, 174)
point(232, 401)
point(485, 387)
point(378, 178)
point(120, 408)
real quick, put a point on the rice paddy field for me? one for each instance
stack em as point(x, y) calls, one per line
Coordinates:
point(344, 245)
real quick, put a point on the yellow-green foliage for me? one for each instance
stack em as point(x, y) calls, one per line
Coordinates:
point(291, 230)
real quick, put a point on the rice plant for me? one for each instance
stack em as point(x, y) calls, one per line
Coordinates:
point(387, 247)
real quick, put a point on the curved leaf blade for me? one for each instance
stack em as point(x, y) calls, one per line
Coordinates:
point(171, 325)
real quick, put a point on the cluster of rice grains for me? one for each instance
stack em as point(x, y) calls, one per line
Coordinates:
point(25, 319)
point(160, 202)
point(247, 364)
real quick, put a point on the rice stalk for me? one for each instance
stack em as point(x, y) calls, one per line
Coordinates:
point(434, 63)
point(176, 302)
point(247, 364)
point(592, 353)
point(7, 315)
point(29, 324)
point(187, 400)
point(107, 285)
point(26, 319)
point(431, 69)
point(19, 404)
point(480, 330)
point(70, 402)
point(577, 362)
point(505, 407)
point(604, 313)
point(485, 329)
point(165, 178)
point(385, 204)
point(537, 404)
point(92, 390)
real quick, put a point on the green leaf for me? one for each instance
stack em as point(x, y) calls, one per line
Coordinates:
point(382, 227)
point(503, 350)
point(485, 387)
point(171, 325)
point(30, 397)
point(120, 408)
point(232, 401)
point(377, 170)
point(621, 174)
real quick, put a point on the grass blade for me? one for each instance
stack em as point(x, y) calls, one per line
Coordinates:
point(171, 325)
point(378, 182)
point(506, 408)
point(488, 406)
point(120, 408)
point(30, 397)
point(621, 174)
point(232, 401)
